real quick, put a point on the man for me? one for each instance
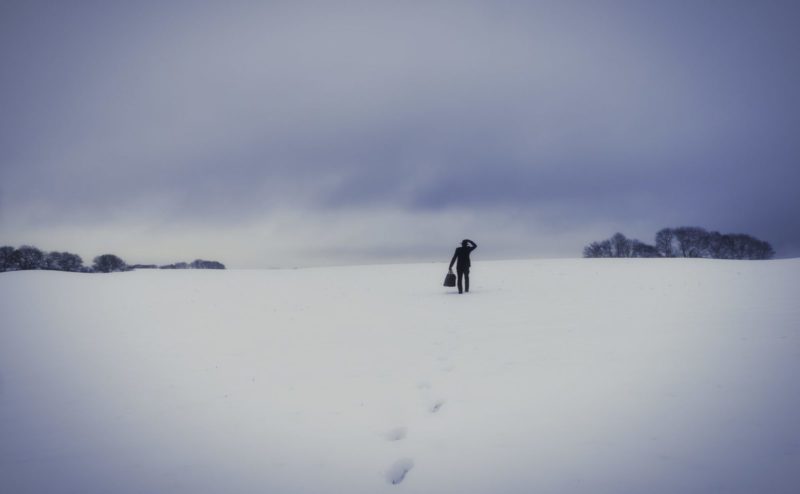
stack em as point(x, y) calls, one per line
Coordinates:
point(462, 267)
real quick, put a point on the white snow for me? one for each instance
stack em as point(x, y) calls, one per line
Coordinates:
point(553, 376)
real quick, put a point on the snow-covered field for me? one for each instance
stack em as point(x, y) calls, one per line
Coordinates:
point(554, 376)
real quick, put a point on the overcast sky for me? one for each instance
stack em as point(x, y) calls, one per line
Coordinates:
point(301, 133)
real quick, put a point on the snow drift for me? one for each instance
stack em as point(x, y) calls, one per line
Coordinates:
point(557, 376)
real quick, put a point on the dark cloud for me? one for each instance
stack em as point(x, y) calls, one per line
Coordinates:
point(567, 118)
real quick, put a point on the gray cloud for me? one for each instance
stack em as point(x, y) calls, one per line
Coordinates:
point(187, 119)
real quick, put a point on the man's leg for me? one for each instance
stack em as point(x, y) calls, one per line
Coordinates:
point(466, 280)
point(460, 275)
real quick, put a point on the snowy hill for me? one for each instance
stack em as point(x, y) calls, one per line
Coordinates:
point(556, 376)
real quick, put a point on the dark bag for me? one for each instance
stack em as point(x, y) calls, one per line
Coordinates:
point(450, 279)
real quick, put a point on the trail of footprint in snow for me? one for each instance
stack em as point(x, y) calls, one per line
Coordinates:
point(398, 470)
point(396, 434)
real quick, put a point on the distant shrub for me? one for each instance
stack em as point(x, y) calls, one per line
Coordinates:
point(201, 264)
point(109, 263)
point(177, 265)
point(7, 262)
point(28, 257)
point(63, 261)
point(143, 266)
point(196, 264)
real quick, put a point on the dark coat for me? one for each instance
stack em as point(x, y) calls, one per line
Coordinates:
point(462, 256)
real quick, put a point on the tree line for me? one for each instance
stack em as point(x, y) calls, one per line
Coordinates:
point(28, 257)
point(685, 241)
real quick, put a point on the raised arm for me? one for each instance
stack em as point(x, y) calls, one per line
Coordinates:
point(474, 245)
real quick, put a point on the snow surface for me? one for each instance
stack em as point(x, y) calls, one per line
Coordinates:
point(553, 376)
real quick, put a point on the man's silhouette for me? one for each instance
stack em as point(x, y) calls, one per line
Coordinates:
point(462, 267)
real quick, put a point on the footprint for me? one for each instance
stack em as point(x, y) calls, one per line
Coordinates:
point(396, 473)
point(436, 406)
point(396, 434)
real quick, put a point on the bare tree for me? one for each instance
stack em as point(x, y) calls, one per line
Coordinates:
point(746, 246)
point(620, 245)
point(598, 249)
point(641, 249)
point(606, 249)
point(692, 241)
point(764, 250)
point(665, 239)
point(593, 250)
